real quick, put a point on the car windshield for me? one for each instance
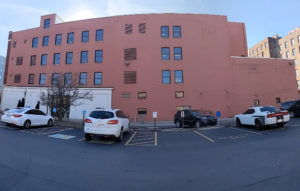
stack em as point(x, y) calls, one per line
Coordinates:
point(287, 104)
point(269, 108)
point(20, 110)
point(102, 114)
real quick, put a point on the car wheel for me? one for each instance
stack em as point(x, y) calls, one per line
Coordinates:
point(88, 137)
point(258, 124)
point(27, 124)
point(50, 123)
point(120, 137)
point(178, 124)
point(198, 124)
point(292, 114)
point(238, 123)
point(280, 125)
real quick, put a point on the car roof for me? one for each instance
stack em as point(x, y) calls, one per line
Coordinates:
point(106, 109)
point(259, 107)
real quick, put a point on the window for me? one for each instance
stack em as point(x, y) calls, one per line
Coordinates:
point(68, 78)
point(179, 94)
point(84, 57)
point(257, 50)
point(278, 100)
point(280, 47)
point(128, 28)
point(256, 102)
point(142, 28)
point(287, 54)
point(261, 47)
point(17, 78)
point(126, 95)
point(98, 78)
point(142, 111)
point(70, 39)
point(44, 59)
point(58, 39)
point(46, 23)
point(45, 40)
point(130, 54)
point(176, 31)
point(99, 35)
point(56, 59)
point(164, 31)
point(297, 73)
point(42, 79)
point(299, 38)
point(165, 53)
point(292, 42)
point(31, 79)
point(142, 95)
point(83, 78)
point(69, 57)
point(130, 77)
point(55, 78)
point(250, 111)
point(166, 78)
point(33, 60)
point(85, 36)
point(98, 56)
point(266, 44)
point(178, 76)
point(293, 52)
point(286, 44)
point(177, 53)
point(35, 42)
point(262, 54)
point(19, 60)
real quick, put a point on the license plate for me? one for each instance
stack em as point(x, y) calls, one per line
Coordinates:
point(279, 120)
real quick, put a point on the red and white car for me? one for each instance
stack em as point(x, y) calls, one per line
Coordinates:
point(262, 116)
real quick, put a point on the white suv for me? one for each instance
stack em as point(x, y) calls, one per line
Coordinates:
point(106, 122)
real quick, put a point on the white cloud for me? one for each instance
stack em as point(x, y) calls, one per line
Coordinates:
point(21, 8)
point(80, 15)
point(123, 7)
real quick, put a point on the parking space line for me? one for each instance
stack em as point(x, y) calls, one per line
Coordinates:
point(81, 139)
point(155, 138)
point(245, 131)
point(205, 137)
point(148, 138)
point(143, 143)
point(130, 138)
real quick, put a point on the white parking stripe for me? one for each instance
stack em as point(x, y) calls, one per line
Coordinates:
point(81, 139)
point(130, 138)
point(204, 136)
point(245, 131)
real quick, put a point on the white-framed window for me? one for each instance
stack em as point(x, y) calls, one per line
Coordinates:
point(280, 47)
point(293, 52)
point(292, 42)
point(287, 54)
point(286, 44)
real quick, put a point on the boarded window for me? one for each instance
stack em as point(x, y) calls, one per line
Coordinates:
point(130, 77)
point(278, 100)
point(142, 28)
point(17, 78)
point(256, 102)
point(142, 95)
point(130, 54)
point(19, 60)
point(126, 95)
point(128, 28)
point(33, 60)
point(14, 44)
point(142, 111)
point(179, 94)
point(31, 79)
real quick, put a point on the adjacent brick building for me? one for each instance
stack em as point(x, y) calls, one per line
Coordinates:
point(153, 62)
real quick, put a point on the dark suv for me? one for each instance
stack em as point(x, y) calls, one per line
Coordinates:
point(194, 118)
point(292, 106)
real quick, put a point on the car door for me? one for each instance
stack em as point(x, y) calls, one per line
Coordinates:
point(42, 117)
point(296, 108)
point(247, 116)
point(31, 115)
point(188, 117)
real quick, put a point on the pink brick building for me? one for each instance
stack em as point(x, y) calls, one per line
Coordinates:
point(153, 62)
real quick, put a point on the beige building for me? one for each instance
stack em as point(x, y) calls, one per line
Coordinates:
point(280, 47)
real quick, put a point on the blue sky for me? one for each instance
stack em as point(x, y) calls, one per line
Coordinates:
point(262, 17)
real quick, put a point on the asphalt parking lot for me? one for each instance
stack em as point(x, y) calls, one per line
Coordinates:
point(210, 158)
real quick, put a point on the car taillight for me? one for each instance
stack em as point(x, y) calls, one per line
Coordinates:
point(285, 113)
point(88, 121)
point(272, 115)
point(111, 122)
point(17, 115)
point(277, 114)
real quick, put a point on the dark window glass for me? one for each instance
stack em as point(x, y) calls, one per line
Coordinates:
point(58, 39)
point(178, 76)
point(69, 57)
point(269, 108)
point(128, 28)
point(20, 60)
point(83, 78)
point(142, 111)
point(98, 78)
point(44, 59)
point(35, 42)
point(17, 78)
point(99, 35)
point(33, 60)
point(56, 59)
point(42, 79)
point(98, 56)
point(84, 57)
point(166, 78)
point(68, 78)
point(31, 79)
point(177, 53)
point(130, 77)
point(39, 112)
point(130, 54)
point(165, 53)
point(70, 39)
point(176, 32)
point(85, 36)
point(45, 40)
point(164, 31)
point(46, 23)
point(55, 78)
point(142, 28)
point(101, 114)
